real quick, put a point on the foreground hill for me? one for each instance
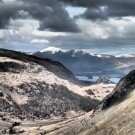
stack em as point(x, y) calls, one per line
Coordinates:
point(86, 62)
point(115, 115)
point(118, 110)
point(32, 88)
point(36, 92)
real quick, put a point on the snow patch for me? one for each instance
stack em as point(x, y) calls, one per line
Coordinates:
point(125, 56)
point(51, 49)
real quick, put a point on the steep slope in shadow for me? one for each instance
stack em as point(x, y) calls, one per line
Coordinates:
point(123, 88)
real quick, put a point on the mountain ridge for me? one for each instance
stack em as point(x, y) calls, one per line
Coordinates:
point(79, 61)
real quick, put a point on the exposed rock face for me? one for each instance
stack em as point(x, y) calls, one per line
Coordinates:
point(33, 88)
point(123, 88)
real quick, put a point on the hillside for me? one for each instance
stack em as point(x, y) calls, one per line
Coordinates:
point(115, 115)
point(118, 110)
point(40, 90)
point(33, 88)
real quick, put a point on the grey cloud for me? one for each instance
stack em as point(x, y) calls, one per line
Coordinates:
point(116, 8)
point(7, 11)
point(85, 3)
point(121, 8)
point(50, 13)
point(94, 14)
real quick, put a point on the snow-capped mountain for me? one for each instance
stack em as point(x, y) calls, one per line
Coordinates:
point(52, 50)
point(80, 61)
point(126, 55)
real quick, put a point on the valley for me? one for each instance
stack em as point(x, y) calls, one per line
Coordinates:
point(115, 115)
point(67, 67)
point(40, 96)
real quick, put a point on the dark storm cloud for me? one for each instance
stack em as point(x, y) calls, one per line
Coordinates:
point(115, 8)
point(50, 13)
point(7, 11)
point(85, 3)
point(94, 14)
point(53, 16)
point(121, 8)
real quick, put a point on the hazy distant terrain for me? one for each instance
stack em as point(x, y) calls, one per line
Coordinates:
point(82, 63)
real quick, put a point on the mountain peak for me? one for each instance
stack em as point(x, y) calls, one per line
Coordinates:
point(51, 49)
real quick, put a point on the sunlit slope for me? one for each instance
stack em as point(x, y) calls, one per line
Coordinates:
point(114, 116)
point(118, 115)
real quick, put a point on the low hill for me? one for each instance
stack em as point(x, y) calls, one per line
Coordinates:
point(34, 88)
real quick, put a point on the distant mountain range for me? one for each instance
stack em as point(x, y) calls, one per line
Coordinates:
point(81, 62)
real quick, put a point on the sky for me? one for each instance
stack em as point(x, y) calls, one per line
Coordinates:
point(99, 26)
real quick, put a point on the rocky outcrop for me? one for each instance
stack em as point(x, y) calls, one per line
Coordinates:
point(103, 80)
